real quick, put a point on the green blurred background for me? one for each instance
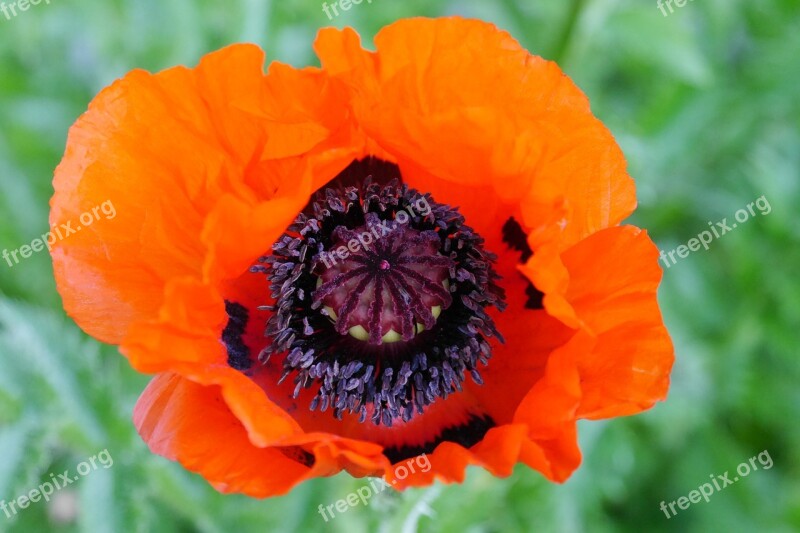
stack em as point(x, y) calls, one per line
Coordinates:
point(705, 104)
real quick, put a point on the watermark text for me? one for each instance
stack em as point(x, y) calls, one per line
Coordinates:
point(715, 231)
point(58, 233)
point(376, 486)
point(704, 491)
point(56, 483)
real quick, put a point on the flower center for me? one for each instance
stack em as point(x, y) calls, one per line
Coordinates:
point(386, 285)
point(381, 298)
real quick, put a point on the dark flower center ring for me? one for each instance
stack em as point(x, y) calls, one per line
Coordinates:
point(380, 298)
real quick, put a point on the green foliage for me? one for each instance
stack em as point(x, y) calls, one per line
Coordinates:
point(704, 104)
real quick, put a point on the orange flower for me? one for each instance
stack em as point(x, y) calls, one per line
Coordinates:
point(413, 250)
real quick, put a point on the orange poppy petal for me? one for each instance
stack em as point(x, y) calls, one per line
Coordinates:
point(236, 230)
point(549, 413)
point(190, 423)
point(174, 153)
point(528, 134)
point(614, 277)
point(542, 435)
point(115, 272)
point(185, 339)
point(531, 336)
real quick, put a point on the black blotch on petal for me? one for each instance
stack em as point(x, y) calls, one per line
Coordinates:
point(535, 297)
point(296, 453)
point(238, 352)
point(516, 239)
point(467, 435)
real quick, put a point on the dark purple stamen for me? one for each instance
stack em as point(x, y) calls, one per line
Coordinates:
point(385, 328)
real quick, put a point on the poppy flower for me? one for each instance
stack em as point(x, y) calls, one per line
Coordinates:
point(415, 250)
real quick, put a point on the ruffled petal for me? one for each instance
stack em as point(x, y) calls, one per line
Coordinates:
point(191, 424)
point(528, 134)
point(543, 433)
point(173, 155)
point(614, 277)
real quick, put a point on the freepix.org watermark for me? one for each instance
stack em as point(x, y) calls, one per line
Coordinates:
point(705, 490)
point(377, 485)
point(60, 232)
point(678, 3)
point(717, 230)
point(56, 483)
point(377, 231)
point(10, 9)
point(332, 10)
